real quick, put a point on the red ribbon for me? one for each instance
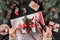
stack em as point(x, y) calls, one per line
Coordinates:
point(32, 25)
point(16, 12)
point(22, 26)
point(32, 18)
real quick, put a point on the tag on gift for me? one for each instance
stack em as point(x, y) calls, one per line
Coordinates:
point(34, 5)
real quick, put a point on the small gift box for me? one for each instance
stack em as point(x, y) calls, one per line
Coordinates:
point(34, 5)
point(55, 26)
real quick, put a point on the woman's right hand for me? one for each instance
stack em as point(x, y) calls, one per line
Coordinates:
point(48, 33)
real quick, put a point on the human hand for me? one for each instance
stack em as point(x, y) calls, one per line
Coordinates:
point(13, 31)
point(48, 33)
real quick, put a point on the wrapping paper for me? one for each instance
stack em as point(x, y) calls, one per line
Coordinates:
point(27, 36)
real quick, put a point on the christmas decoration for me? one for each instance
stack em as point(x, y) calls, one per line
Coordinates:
point(16, 12)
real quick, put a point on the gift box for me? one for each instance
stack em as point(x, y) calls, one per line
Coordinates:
point(28, 25)
point(54, 25)
point(34, 5)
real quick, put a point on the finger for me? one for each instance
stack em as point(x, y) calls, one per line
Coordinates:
point(44, 32)
point(12, 33)
point(48, 29)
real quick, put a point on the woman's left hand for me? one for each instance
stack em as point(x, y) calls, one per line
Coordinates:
point(13, 31)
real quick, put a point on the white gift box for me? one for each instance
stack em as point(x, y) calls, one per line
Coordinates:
point(20, 36)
